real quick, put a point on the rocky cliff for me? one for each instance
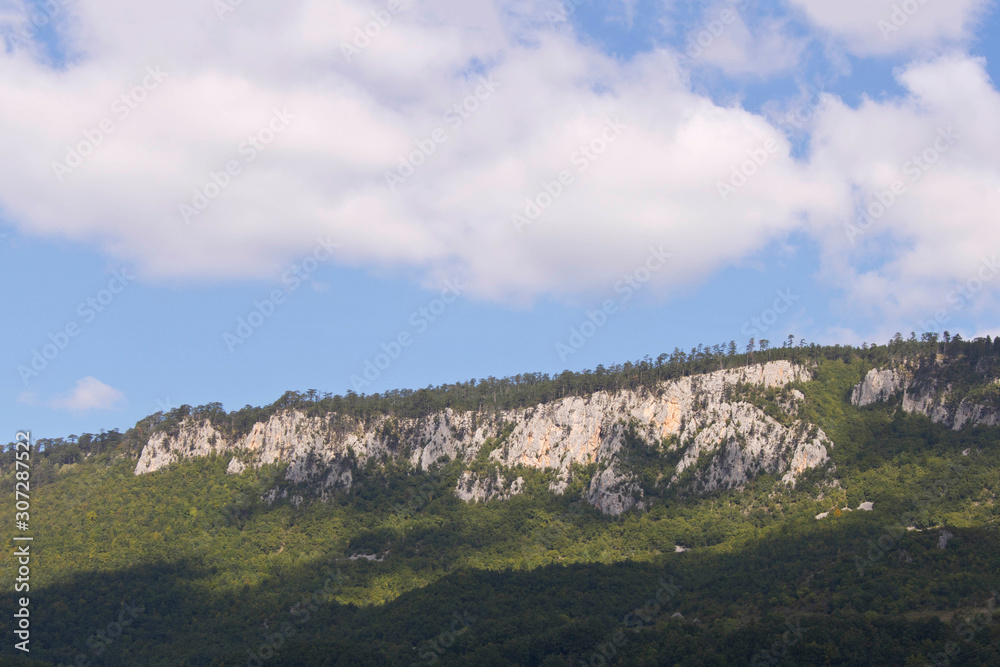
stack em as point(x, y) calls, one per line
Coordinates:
point(710, 425)
point(481, 488)
point(878, 386)
point(930, 394)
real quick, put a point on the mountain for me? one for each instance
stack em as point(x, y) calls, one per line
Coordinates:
point(703, 433)
point(798, 506)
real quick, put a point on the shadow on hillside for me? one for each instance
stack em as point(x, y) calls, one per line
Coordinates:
point(734, 605)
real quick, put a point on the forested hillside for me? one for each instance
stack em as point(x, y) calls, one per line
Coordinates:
point(887, 554)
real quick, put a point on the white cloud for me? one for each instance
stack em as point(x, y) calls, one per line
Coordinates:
point(878, 27)
point(89, 394)
point(325, 174)
point(936, 235)
point(724, 39)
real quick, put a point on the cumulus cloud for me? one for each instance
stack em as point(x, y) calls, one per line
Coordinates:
point(879, 27)
point(360, 107)
point(429, 139)
point(919, 237)
point(725, 40)
point(89, 394)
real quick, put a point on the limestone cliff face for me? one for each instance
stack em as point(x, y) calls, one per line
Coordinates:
point(878, 386)
point(942, 406)
point(195, 439)
point(970, 413)
point(614, 492)
point(721, 441)
point(584, 430)
point(927, 396)
point(743, 442)
point(482, 488)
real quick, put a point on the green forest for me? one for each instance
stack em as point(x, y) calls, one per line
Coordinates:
point(191, 566)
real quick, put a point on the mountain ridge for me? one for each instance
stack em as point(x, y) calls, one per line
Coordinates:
point(720, 440)
point(431, 517)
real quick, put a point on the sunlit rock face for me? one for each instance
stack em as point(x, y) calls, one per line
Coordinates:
point(878, 386)
point(719, 440)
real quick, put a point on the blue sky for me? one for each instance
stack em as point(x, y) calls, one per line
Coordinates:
point(224, 168)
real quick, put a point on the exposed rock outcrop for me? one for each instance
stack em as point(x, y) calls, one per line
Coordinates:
point(792, 403)
point(925, 396)
point(722, 441)
point(614, 492)
point(944, 537)
point(927, 400)
point(743, 442)
point(338, 478)
point(969, 413)
point(878, 386)
point(194, 440)
point(479, 488)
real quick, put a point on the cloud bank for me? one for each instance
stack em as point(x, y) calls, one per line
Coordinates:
point(483, 140)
